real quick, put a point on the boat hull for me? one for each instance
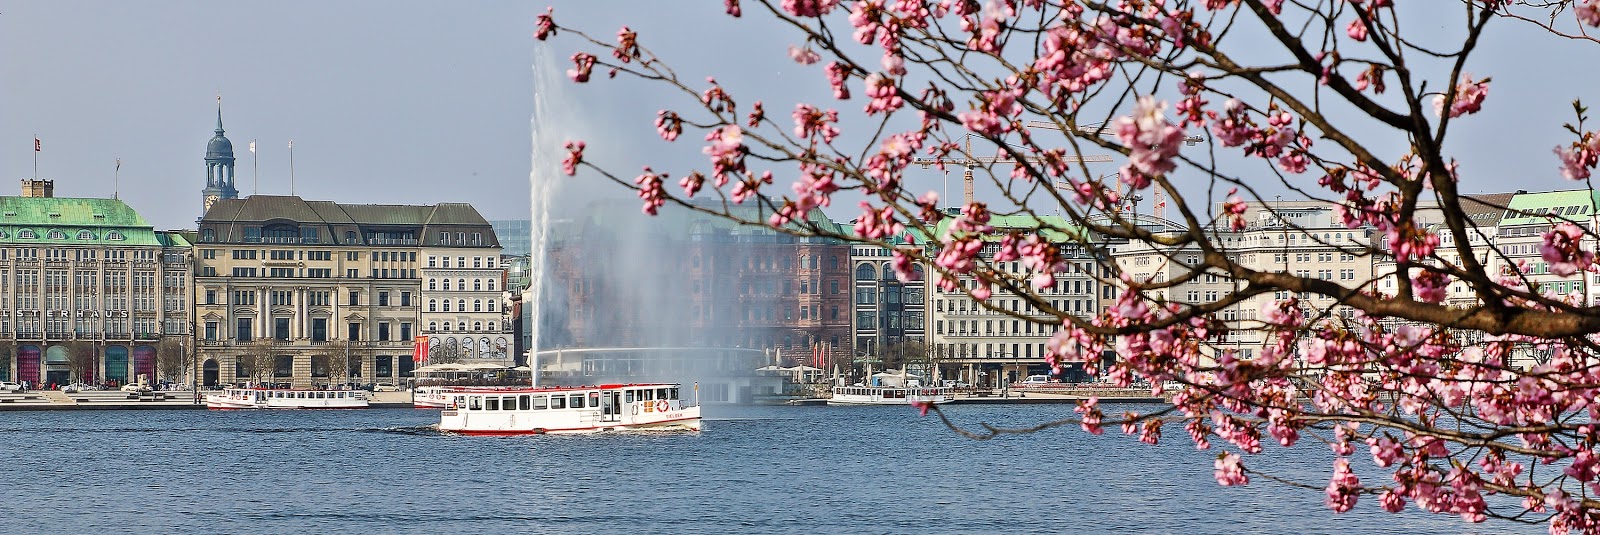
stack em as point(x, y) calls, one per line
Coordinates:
point(568, 410)
point(873, 395)
point(249, 399)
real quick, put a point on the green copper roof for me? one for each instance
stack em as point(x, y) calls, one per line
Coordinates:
point(1545, 207)
point(1055, 228)
point(72, 221)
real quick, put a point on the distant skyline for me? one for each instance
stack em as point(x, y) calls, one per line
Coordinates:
point(416, 102)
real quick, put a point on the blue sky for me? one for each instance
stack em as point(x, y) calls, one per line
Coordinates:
point(423, 102)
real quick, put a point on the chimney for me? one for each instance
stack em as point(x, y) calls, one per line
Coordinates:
point(38, 188)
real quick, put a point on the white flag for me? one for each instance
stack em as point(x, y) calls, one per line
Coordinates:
point(291, 143)
point(252, 147)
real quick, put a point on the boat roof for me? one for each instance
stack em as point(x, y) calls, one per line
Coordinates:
point(502, 389)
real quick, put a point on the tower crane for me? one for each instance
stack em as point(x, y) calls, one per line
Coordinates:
point(1100, 130)
point(967, 162)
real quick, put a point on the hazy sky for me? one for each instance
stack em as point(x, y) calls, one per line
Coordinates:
point(424, 102)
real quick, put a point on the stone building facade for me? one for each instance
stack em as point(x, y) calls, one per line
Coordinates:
point(317, 292)
point(89, 292)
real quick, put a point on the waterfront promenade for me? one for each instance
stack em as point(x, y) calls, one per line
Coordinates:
point(53, 400)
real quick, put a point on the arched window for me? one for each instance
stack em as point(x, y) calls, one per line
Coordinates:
point(57, 235)
point(85, 235)
point(461, 305)
point(463, 325)
point(888, 273)
point(491, 285)
point(477, 285)
point(447, 326)
point(26, 234)
point(477, 305)
point(491, 305)
point(446, 305)
point(462, 284)
point(833, 262)
point(433, 326)
point(447, 285)
point(433, 284)
point(864, 272)
point(433, 305)
point(477, 325)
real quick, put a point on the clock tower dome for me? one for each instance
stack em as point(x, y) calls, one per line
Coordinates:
point(219, 167)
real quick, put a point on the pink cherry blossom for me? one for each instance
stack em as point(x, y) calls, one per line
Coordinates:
point(1152, 142)
point(803, 56)
point(1588, 12)
point(1562, 249)
point(884, 96)
point(809, 8)
point(650, 190)
point(569, 165)
point(584, 63)
point(733, 7)
point(669, 125)
point(1429, 286)
point(837, 73)
point(1357, 29)
point(1343, 487)
point(1579, 158)
point(1468, 99)
point(545, 26)
point(1229, 471)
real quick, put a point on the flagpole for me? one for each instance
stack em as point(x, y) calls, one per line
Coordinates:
point(116, 180)
point(255, 170)
point(291, 167)
point(36, 156)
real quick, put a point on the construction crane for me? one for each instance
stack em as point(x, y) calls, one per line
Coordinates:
point(1101, 130)
point(970, 161)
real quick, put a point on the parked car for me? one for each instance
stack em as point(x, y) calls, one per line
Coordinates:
point(135, 387)
point(8, 386)
point(1036, 380)
point(385, 387)
point(76, 387)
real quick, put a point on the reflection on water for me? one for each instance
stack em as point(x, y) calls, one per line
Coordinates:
point(754, 470)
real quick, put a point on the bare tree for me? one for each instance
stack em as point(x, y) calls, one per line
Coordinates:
point(172, 359)
point(1327, 101)
point(262, 359)
point(339, 358)
point(81, 359)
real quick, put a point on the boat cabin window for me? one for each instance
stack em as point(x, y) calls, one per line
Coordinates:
point(661, 393)
point(627, 396)
point(647, 395)
point(523, 402)
point(508, 403)
point(594, 399)
point(674, 393)
point(491, 404)
point(474, 403)
point(540, 402)
point(558, 401)
point(576, 401)
point(322, 395)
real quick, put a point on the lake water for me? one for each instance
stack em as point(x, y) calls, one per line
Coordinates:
point(753, 470)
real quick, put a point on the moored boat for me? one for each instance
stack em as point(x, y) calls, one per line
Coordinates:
point(567, 409)
point(271, 398)
point(890, 395)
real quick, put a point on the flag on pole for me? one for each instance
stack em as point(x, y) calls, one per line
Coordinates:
point(119, 164)
point(291, 144)
point(36, 145)
point(252, 146)
point(419, 349)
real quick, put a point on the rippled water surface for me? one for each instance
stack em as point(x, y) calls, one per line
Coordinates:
point(753, 470)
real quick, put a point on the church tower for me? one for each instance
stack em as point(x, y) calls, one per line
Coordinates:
point(219, 166)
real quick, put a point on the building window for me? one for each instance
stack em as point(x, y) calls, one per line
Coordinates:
point(353, 332)
point(477, 305)
point(405, 299)
point(211, 331)
point(433, 305)
point(383, 299)
point(242, 332)
point(355, 297)
point(383, 332)
point(211, 297)
point(319, 329)
point(405, 331)
point(280, 328)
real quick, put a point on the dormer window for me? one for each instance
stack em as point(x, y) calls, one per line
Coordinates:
point(57, 235)
point(114, 236)
point(27, 234)
point(85, 235)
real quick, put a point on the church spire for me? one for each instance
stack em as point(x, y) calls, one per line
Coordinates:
point(219, 114)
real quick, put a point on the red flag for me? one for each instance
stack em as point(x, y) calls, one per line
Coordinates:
point(36, 145)
point(419, 349)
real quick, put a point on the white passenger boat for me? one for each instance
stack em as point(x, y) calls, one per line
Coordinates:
point(567, 409)
point(431, 397)
point(271, 398)
point(890, 395)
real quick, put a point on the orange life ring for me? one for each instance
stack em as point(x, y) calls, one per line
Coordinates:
point(661, 406)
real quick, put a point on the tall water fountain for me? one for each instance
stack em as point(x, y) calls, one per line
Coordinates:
point(542, 181)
